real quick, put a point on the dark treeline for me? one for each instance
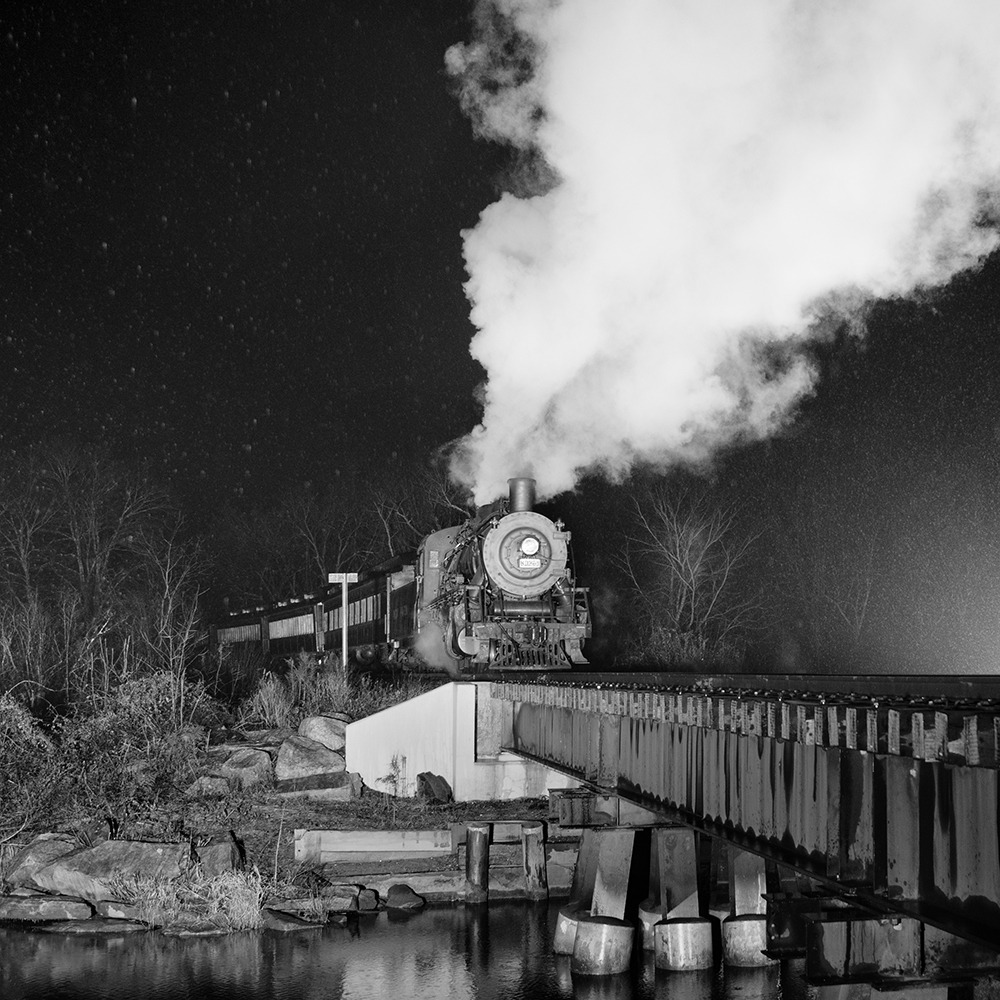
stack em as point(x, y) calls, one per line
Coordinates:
point(100, 581)
point(863, 538)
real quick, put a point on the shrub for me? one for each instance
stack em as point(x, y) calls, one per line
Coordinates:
point(310, 689)
point(234, 675)
point(29, 777)
point(270, 705)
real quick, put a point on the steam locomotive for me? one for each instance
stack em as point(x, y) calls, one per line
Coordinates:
point(494, 593)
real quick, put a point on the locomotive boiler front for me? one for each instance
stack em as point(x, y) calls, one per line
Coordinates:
point(497, 592)
point(525, 554)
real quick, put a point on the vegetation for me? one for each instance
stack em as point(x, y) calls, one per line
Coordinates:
point(682, 561)
point(231, 900)
point(99, 586)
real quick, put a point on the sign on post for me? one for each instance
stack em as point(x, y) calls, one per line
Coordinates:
point(343, 579)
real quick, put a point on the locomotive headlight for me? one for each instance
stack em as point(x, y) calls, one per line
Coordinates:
point(530, 545)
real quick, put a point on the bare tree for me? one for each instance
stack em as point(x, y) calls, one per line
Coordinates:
point(167, 612)
point(27, 508)
point(682, 559)
point(331, 528)
point(287, 548)
point(101, 509)
point(411, 503)
point(832, 556)
point(91, 554)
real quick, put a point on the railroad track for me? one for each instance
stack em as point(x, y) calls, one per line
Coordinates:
point(938, 691)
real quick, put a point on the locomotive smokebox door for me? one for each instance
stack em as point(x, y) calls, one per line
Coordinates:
point(525, 555)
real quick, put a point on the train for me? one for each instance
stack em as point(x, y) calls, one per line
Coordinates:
point(495, 593)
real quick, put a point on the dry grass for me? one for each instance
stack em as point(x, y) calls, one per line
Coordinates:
point(230, 899)
point(306, 688)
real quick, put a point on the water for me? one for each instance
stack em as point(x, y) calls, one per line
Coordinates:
point(489, 953)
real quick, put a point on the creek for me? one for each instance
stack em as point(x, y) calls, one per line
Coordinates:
point(485, 953)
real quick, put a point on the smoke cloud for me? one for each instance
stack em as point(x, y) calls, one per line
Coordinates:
point(716, 176)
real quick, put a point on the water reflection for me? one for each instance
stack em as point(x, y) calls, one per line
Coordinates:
point(486, 953)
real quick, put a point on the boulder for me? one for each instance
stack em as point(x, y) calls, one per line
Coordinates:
point(267, 737)
point(343, 787)
point(88, 872)
point(42, 851)
point(285, 923)
point(402, 897)
point(340, 900)
point(186, 925)
point(217, 857)
point(246, 768)
point(111, 909)
point(94, 926)
point(367, 900)
point(35, 908)
point(299, 757)
point(207, 786)
point(433, 789)
point(330, 730)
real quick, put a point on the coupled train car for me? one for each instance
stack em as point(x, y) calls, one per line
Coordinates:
point(494, 593)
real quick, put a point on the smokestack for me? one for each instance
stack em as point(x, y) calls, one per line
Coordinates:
point(522, 493)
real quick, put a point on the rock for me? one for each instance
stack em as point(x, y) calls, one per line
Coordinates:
point(330, 730)
point(95, 925)
point(435, 887)
point(285, 923)
point(433, 789)
point(367, 900)
point(194, 926)
point(314, 781)
point(343, 787)
point(111, 909)
point(402, 897)
point(335, 899)
point(299, 757)
point(208, 787)
point(87, 872)
point(195, 735)
point(217, 857)
point(267, 737)
point(246, 768)
point(35, 908)
point(42, 851)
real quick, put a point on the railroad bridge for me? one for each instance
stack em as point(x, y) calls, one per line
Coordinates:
point(865, 808)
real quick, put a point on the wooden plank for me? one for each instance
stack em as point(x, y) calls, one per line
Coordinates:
point(331, 857)
point(360, 864)
point(314, 844)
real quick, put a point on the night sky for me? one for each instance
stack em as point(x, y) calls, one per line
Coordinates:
point(231, 235)
point(232, 247)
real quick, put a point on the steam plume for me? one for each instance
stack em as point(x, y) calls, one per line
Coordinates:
point(718, 172)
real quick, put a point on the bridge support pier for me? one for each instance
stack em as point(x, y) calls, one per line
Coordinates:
point(684, 944)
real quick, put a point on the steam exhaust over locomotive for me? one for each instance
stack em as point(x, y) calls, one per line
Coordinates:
point(494, 593)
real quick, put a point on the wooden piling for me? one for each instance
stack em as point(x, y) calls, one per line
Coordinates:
point(477, 862)
point(533, 845)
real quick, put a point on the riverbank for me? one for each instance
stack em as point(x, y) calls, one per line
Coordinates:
point(224, 852)
point(211, 807)
point(114, 886)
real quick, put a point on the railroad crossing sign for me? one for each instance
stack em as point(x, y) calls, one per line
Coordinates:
point(343, 579)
